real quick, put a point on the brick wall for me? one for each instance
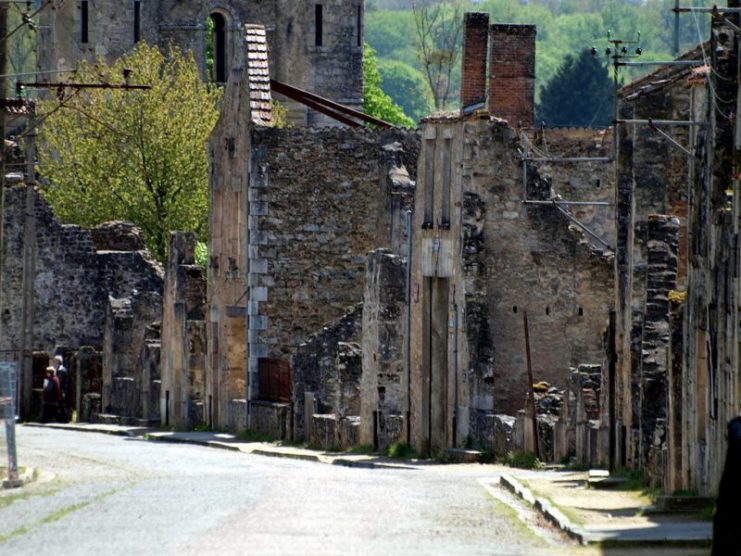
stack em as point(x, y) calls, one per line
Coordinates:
point(475, 52)
point(512, 73)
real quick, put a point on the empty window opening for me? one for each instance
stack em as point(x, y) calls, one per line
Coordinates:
point(359, 26)
point(447, 177)
point(216, 48)
point(137, 21)
point(429, 184)
point(547, 310)
point(318, 23)
point(580, 312)
point(84, 23)
point(514, 308)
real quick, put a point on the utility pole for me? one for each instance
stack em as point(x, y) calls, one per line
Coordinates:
point(3, 59)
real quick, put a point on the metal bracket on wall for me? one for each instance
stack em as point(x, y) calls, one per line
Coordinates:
point(556, 202)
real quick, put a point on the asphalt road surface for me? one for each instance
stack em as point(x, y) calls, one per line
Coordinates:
point(100, 494)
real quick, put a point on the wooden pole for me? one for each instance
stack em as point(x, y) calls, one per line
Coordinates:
point(530, 392)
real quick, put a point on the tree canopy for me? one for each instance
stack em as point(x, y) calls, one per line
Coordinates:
point(580, 94)
point(375, 102)
point(407, 87)
point(135, 155)
point(563, 27)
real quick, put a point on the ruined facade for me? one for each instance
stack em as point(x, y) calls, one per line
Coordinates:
point(677, 268)
point(65, 287)
point(316, 46)
point(294, 213)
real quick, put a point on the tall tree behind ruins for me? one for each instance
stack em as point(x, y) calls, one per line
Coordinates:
point(139, 156)
point(438, 27)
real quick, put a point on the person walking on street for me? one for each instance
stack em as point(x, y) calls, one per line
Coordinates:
point(51, 396)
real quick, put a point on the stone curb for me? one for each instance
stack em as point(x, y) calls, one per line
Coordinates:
point(28, 475)
point(290, 455)
point(175, 440)
point(156, 436)
point(551, 513)
point(133, 431)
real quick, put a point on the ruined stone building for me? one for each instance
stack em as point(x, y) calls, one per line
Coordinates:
point(294, 215)
point(369, 286)
point(65, 288)
point(316, 46)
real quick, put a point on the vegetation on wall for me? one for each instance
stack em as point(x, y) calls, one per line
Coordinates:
point(139, 156)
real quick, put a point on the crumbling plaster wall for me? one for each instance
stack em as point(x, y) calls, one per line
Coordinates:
point(579, 180)
point(513, 258)
point(536, 263)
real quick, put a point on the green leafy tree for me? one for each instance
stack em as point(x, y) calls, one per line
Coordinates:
point(407, 87)
point(375, 102)
point(580, 94)
point(140, 156)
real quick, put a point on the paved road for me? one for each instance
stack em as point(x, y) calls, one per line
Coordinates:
point(101, 494)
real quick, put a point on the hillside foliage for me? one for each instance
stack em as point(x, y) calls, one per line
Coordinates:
point(564, 28)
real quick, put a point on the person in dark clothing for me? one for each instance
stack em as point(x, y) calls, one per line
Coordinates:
point(726, 536)
point(51, 396)
point(58, 363)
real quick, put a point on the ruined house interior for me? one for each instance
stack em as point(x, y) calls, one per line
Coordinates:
point(371, 286)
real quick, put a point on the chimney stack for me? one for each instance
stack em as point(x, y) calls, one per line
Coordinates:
point(512, 73)
point(475, 54)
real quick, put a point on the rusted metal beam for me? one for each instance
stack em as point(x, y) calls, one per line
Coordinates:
point(331, 113)
point(530, 391)
point(305, 97)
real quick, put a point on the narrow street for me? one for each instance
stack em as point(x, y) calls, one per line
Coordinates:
point(99, 494)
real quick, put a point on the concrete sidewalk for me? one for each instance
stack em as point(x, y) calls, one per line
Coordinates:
point(610, 517)
point(587, 515)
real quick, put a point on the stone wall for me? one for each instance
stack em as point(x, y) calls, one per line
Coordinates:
point(577, 164)
point(125, 340)
point(652, 179)
point(332, 68)
point(55, 276)
point(320, 199)
point(324, 369)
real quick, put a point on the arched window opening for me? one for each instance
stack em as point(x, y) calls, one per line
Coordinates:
point(216, 48)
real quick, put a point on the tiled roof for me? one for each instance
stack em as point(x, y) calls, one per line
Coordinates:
point(258, 71)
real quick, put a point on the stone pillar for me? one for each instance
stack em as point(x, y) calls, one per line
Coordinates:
point(512, 73)
point(475, 52)
point(662, 251)
point(183, 334)
point(382, 387)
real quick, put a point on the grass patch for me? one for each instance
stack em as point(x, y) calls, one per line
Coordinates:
point(685, 493)
point(522, 460)
point(707, 513)
point(16, 496)
point(400, 450)
point(55, 516)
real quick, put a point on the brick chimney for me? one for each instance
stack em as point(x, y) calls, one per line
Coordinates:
point(475, 53)
point(512, 73)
